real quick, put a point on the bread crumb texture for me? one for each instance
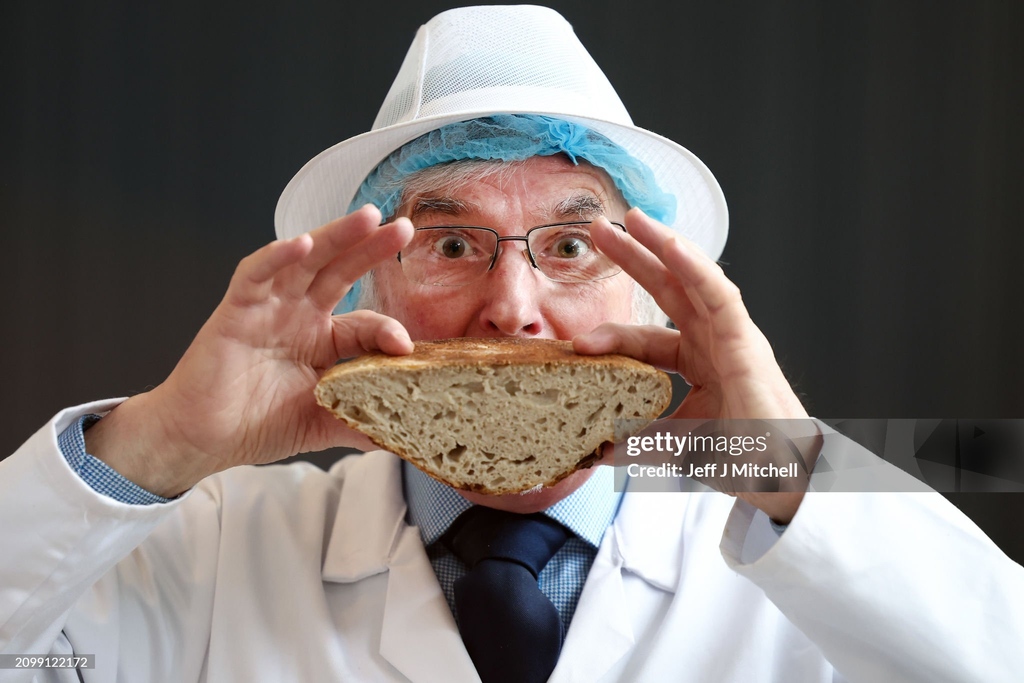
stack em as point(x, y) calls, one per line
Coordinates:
point(495, 415)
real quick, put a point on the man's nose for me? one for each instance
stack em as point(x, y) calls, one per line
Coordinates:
point(512, 293)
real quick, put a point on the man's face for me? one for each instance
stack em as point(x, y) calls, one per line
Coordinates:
point(513, 299)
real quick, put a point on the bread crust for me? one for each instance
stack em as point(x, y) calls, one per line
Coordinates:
point(473, 352)
point(553, 360)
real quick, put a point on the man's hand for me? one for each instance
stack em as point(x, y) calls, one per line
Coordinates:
point(717, 348)
point(243, 391)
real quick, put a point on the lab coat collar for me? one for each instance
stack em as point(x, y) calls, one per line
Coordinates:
point(370, 536)
point(646, 533)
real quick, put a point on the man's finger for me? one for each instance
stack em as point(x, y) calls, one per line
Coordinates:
point(339, 237)
point(707, 287)
point(340, 234)
point(655, 236)
point(644, 267)
point(254, 277)
point(338, 276)
point(359, 332)
point(706, 283)
point(658, 346)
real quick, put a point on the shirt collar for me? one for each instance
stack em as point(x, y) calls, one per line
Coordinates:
point(588, 512)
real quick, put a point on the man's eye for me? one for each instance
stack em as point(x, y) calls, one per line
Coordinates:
point(452, 247)
point(570, 247)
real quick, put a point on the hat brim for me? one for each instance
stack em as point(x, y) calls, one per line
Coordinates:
point(323, 189)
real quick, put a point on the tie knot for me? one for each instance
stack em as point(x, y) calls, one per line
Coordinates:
point(482, 533)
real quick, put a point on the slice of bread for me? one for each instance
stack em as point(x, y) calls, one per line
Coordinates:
point(495, 415)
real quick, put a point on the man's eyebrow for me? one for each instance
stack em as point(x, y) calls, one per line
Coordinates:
point(581, 205)
point(448, 206)
point(577, 206)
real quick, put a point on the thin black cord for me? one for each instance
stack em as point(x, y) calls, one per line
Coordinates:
point(78, 669)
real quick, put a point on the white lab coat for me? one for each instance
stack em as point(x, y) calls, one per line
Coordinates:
point(288, 573)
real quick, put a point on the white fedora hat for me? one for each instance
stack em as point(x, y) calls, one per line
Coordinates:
point(478, 61)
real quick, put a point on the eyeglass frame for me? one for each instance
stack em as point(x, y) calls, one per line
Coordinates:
point(518, 238)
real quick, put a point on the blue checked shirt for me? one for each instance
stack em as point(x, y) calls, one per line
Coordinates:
point(432, 508)
point(96, 473)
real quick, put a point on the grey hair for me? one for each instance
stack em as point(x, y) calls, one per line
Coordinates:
point(451, 177)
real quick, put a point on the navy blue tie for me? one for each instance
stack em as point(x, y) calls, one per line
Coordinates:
point(510, 628)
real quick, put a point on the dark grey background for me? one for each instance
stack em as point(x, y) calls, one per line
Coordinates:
point(870, 151)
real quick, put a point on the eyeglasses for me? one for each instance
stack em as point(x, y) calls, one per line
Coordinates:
point(453, 255)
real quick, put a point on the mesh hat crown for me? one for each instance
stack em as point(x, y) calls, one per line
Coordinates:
point(477, 61)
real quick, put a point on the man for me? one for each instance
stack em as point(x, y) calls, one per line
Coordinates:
point(136, 537)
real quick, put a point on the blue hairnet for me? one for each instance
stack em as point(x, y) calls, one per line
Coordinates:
point(510, 137)
point(514, 137)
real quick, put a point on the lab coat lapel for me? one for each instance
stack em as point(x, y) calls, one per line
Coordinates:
point(370, 536)
point(644, 540)
point(648, 532)
point(601, 629)
point(371, 515)
point(420, 637)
